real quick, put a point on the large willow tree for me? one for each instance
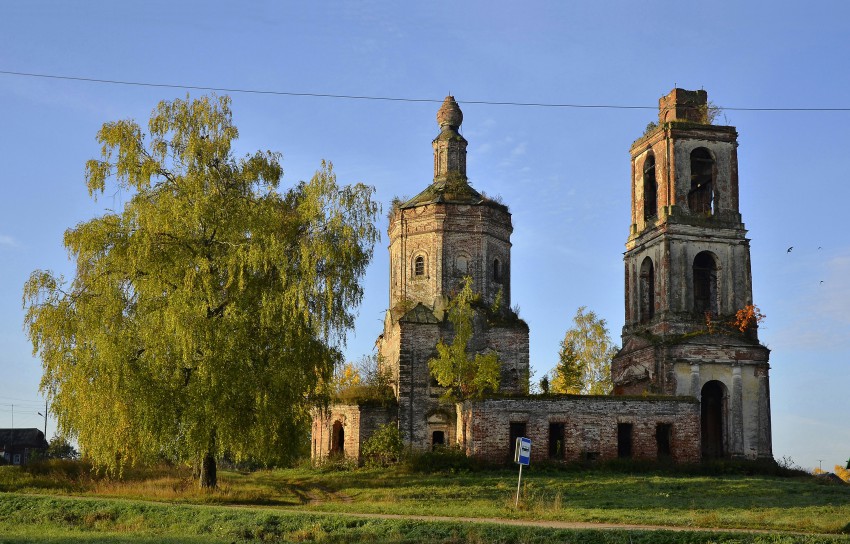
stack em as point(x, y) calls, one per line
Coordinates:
point(203, 318)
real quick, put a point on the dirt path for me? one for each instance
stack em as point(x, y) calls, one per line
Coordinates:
point(314, 495)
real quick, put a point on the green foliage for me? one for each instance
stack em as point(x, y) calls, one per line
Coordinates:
point(204, 316)
point(384, 447)
point(464, 377)
point(335, 463)
point(569, 374)
point(584, 364)
point(60, 448)
point(443, 459)
point(395, 205)
point(544, 385)
point(368, 380)
point(496, 307)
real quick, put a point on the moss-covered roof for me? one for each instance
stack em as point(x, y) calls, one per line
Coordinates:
point(450, 190)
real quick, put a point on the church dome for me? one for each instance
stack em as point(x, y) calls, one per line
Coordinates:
point(449, 114)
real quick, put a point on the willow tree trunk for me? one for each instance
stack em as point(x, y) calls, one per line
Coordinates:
point(208, 477)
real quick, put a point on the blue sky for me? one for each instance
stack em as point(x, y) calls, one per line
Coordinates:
point(564, 172)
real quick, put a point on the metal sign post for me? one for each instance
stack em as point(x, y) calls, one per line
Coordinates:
point(522, 456)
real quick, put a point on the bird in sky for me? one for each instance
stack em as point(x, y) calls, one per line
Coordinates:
point(789, 249)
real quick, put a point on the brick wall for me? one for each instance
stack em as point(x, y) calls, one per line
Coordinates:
point(358, 424)
point(455, 240)
point(590, 426)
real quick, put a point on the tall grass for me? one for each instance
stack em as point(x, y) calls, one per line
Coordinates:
point(66, 521)
point(625, 494)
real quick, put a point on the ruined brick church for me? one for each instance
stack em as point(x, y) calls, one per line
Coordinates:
point(686, 386)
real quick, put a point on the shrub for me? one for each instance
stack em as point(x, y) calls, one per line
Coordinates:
point(60, 448)
point(61, 469)
point(443, 458)
point(384, 447)
point(335, 463)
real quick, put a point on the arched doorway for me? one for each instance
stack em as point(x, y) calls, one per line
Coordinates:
point(338, 439)
point(440, 428)
point(713, 419)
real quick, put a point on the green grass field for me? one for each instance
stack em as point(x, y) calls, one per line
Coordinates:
point(303, 505)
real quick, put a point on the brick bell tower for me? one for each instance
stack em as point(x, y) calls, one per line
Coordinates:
point(443, 234)
point(687, 273)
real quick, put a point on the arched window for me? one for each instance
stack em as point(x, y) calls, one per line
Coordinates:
point(647, 290)
point(497, 270)
point(650, 188)
point(462, 265)
point(701, 195)
point(705, 283)
point(419, 266)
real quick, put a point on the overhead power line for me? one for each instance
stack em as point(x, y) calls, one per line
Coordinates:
point(379, 98)
point(17, 400)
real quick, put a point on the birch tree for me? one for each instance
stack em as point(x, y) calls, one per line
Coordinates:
point(584, 362)
point(464, 377)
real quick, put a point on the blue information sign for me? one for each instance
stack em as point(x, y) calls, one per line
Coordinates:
point(523, 451)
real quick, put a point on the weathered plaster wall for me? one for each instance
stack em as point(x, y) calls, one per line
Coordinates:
point(683, 368)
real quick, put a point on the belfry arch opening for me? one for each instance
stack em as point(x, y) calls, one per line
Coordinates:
point(701, 194)
point(647, 290)
point(705, 283)
point(497, 270)
point(650, 188)
point(713, 400)
point(419, 266)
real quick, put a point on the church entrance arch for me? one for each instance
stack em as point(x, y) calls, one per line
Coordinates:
point(338, 439)
point(713, 412)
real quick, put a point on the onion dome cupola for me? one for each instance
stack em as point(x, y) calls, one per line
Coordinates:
point(450, 183)
point(449, 145)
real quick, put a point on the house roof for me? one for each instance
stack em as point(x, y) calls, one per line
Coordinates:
point(22, 438)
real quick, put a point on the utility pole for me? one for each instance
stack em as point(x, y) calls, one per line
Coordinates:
point(45, 417)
